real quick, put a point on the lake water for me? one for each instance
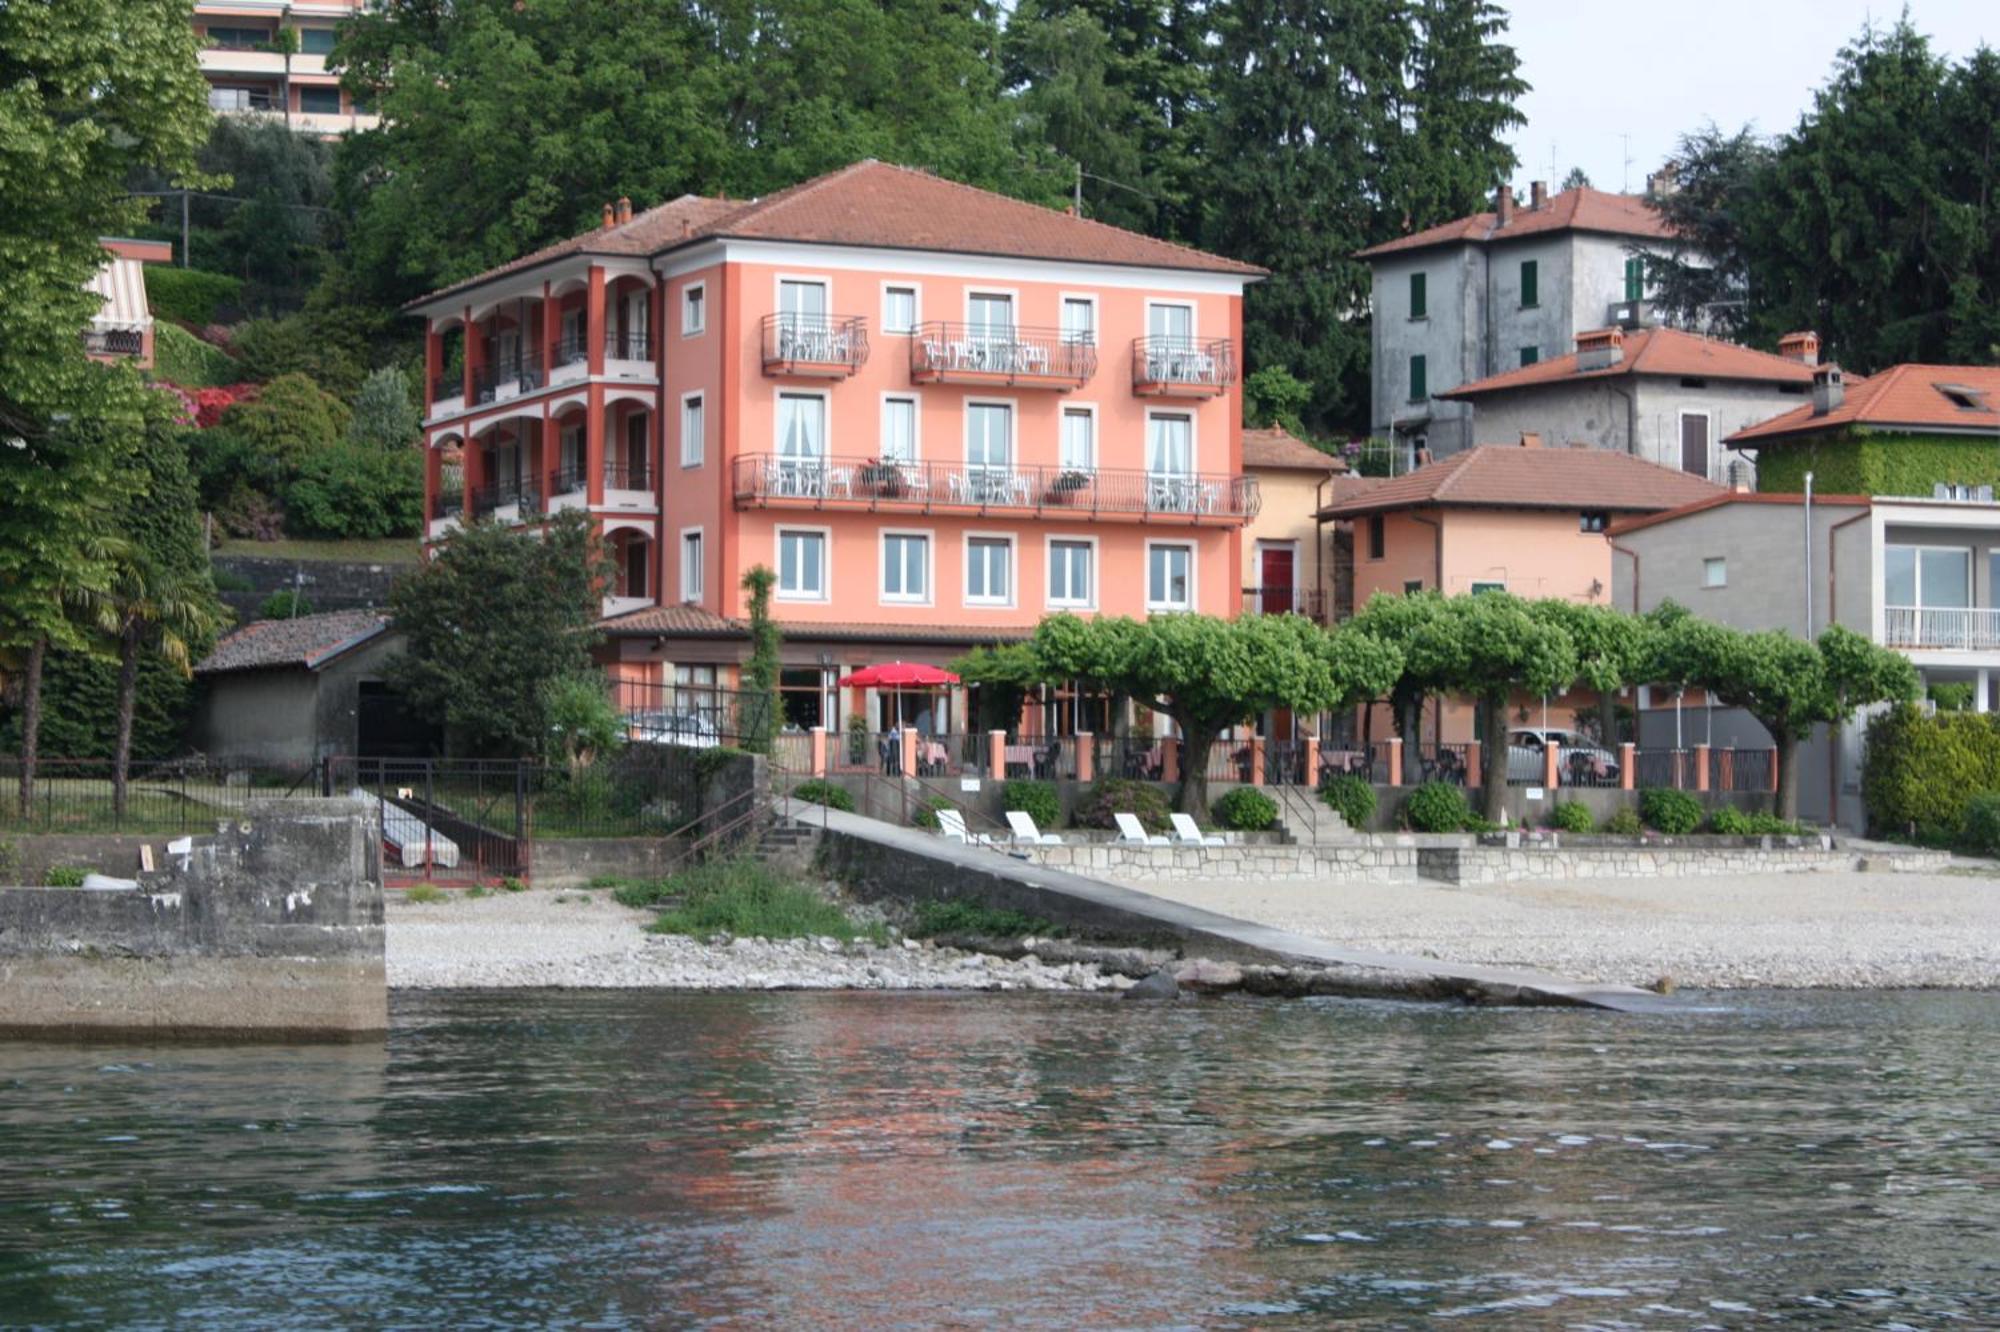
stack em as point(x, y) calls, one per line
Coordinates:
point(881, 1161)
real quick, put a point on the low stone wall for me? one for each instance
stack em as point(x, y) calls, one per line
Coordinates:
point(574, 862)
point(271, 928)
point(1387, 858)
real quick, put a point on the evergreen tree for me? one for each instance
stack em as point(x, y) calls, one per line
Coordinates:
point(1460, 86)
point(1714, 201)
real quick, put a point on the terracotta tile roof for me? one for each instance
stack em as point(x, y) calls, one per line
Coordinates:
point(694, 622)
point(878, 204)
point(1581, 209)
point(1652, 351)
point(1907, 397)
point(677, 621)
point(308, 642)
point(911, 633)
point(1512, 477)
point(1278, 448)
point(1625, 525)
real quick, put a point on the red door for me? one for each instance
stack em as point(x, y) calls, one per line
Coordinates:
point(1275, 578)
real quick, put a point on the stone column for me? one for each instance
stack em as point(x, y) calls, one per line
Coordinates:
point(1395, 747)
point(1312, 762)
point(909, 738)
point(1701, 767)
point(1628, 767)
point(996, 755)
point(1256, 760)
point(1551, 766)
point(1086, 756)
point(819, 751)
point(1474, 777)
point(1170, 760)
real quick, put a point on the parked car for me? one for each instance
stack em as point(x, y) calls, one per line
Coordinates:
point(1584, 762)
point(686, 729)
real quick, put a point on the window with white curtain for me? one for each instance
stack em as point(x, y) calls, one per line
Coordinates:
point(694, 431)
point(801, 425)
point(1170, 445)
point(1079, 319)
point(691, 566)
point(899, 309)
point(1079, 439)
point(899, 430)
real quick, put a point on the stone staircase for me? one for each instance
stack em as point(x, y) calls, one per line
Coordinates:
point(1308, 820)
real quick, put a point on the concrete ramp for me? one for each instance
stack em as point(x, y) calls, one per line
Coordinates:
point(877, 860)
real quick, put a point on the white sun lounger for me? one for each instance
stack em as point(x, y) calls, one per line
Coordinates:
point(951, 825)
point(1025, 830)
point(413, 841)
point(1187, 833)
point(1131, 831)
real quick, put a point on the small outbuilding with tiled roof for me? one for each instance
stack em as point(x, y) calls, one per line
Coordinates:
point(288, 693)
point(1903, 431)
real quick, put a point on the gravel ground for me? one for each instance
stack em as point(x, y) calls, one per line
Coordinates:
point(585, 940)
point(1848, 931)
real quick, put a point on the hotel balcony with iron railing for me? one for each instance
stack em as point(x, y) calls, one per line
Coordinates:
point(1307, 601)
point(627, 476)
point(627, 355)
point(1942, 629)
point(868, 484)
point(1182, 367)
point(1001, 356)
point(814, 346)
point(507, 379)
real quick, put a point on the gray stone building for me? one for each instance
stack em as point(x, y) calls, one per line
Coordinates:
point(288, 693)
point(1474, 297)
point(1660, 394)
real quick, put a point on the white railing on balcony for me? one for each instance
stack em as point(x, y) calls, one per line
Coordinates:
point(1961, 629)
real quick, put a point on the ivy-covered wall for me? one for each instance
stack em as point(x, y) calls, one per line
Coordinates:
point(1861, 462)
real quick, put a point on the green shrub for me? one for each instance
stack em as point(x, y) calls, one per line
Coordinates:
point(284, 604)
point(747, 898)
point(1121, 795)
point(356, 492)
point(1572, 816)
point(1351, 797)
point(190, 295)
point(1035, 799)
point(926, 813)
point(1624, 823)
point(290, 420)
point(820, 791)
point(641, 892)
point(1246, 810)
point(958, 916)
point(303, 344)
point(1669, 811)
point(1729, 821)
point(1916, 770)
point(1436, 807)
point(184, 360)
point(1982, 822)
point(1952, 695)
point(66, 876)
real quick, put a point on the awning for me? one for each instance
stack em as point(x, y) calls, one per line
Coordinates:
point(121, 283)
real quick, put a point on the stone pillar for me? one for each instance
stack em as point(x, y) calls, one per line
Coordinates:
point(1256, 760)
point(1774, 771)
point(474, 348)
point(1170, 760)
point(1086, 756)
point(1979, 703)
point(1701, 767)
point(996, 755)
point(433, 363)
point(1312, 762)
point(1551, 766)
point(1395, 746)
point(1628, 767)
point(1474, 776)
point(819, 751)
point(596, 325)
point(909, 739)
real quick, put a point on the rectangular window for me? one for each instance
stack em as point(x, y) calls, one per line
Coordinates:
point(989, 571)
point(899, 309)
point(319, 101)
point(1592, 520)
point(1477, 588)
point(899, 430)
point(802, 564)
point(694, 309)
point(1531, 284)
point(1635, 278)
point(991, 315)
point(1694, 443)
point(1530, 355)
point(1944, 578)
point(802, 305)
point(802, 426)
point(1069, 574)
point(316, 41)
point(906, 562)
point(1411, 586)
point(690, 566)
point(1715, 572)
point(237, 39)
point(1175, 323)
point(1170, 578)
point(1417, 296)
point(1378, 536)
point(1419, 380)
point(1079, 319)
point(1170, 445)
point(694, 431)
point(989, 436)
point(1079, 439)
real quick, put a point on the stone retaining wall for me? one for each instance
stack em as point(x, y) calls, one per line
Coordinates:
point(271, 928)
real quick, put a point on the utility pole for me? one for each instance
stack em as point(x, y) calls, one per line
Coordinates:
point(184, 228)
point(1076, 199)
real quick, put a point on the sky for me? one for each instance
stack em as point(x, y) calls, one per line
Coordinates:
point(1600, 74)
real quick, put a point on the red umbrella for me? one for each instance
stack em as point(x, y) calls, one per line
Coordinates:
point(897, 676)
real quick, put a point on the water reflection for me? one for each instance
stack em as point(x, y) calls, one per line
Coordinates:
point(831, 1160)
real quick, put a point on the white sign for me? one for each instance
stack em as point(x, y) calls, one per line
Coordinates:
point(968, 783)
point(1534, 793)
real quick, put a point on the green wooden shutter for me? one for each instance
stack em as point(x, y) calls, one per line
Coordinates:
point(1419, 388)
point(1417, 295)
point(1531, 283)
point(1635, 278)
point(1529, 355)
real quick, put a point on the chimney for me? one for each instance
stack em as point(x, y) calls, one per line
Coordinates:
point(1538, 195)
point(1530, 440)
point(1600, 349)
point(687, 228)
point(610, 216)
point(1503, 204)
point(1802, 347)
point(1829, 389)
point(624, 209)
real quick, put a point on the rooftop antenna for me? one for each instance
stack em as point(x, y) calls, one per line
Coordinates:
point(1626, 186)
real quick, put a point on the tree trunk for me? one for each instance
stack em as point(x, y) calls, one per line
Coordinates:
point(1607, 719)
point(31, 722)
point(1786, 802)
point(1196, 741)
point(128, 693)
point(1493, 754)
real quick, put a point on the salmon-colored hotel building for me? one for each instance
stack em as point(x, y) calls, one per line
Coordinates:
point(935, 413)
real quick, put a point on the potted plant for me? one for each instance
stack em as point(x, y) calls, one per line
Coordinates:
point(1065, 484)
point(881, 478)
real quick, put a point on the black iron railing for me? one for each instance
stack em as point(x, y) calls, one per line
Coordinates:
point(628, 346)
point(627, 476)
point(448, 386)
point(572, 348)
point(1306, 601)
point(1183, 365)
point(988, 354)
point(114, 342)
point(829, 345)
point(569, 479)
point(870, 483)
point(517, 374)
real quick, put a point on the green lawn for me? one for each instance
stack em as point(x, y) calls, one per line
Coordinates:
point(393, 550)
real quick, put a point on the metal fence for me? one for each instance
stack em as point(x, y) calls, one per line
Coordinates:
point(1742, 769)
point(1369, 762)
point(691, 716)
point(80, 796)
point(1433, 762)
point(1665, 767)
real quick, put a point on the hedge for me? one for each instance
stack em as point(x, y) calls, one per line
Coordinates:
point(190, 295)
point(1670, 811)
point(1982, 822)
point(1864, 463)
point(1036, 799)
point(1436, 807)
point(1917, 771)
point(1246, 810)
point(182, 359)
point(1117, 795)
point(1351, 797)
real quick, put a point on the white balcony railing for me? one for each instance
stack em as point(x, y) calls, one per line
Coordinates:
point(1960, 629)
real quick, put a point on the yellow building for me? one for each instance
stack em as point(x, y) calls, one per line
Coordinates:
point(1285, 568)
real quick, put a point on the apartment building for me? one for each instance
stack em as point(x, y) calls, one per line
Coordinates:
point(1481, 295)
point(269, 57)
point(935, 413)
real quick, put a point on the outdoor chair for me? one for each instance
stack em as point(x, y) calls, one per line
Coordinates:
point(1132, 832)
point(1025, 830)
point(951, 826)
point(1188, 833)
